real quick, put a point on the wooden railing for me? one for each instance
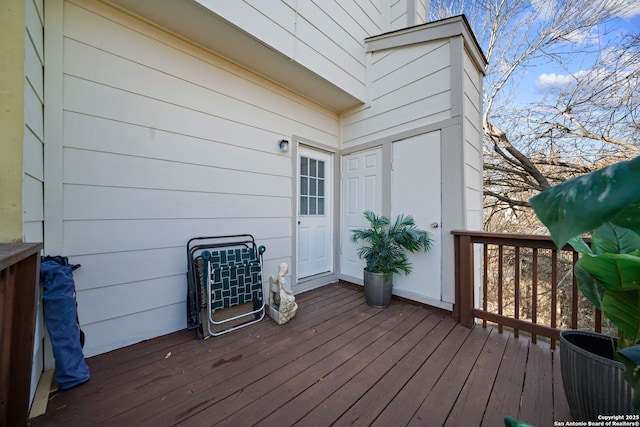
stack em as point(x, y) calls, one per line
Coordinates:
point(19, 279)
point(526, 284)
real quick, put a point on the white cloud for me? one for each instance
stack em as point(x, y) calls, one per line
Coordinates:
point(552, 80)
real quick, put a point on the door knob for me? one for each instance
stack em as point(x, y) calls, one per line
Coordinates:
point(435, 225)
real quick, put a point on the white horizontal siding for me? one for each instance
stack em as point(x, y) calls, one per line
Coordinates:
point(98, 269)
point(131, 297)
point(136, 141)
point(423, 11)
point(326, 37)
point(147, 64)
point(323, 27)
point(407, 13)
point(398, 14)
point(97, 169)
point(85, 202)
point(163, 142)
point(472, 130)
point(410, 87)
point(89, 237)
point(33, 211)
point(101, 336)
point(33, 163)
point(363, 14)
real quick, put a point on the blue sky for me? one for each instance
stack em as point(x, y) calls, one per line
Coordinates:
point(537, 80)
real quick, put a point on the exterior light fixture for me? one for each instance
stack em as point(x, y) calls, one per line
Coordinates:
point(283, 145)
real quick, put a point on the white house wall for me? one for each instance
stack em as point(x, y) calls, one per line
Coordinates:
point(33, 211)
point(472, 87)
point(422, 98)
point(406, 13)
point(472, 125)
point(421, 80)
point(32, 184)
point(462, 163)
point(326, 37)
point(163, 141)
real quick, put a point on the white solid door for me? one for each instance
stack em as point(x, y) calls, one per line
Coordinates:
point(361, 190)
point(416, 191)
point(314, 246)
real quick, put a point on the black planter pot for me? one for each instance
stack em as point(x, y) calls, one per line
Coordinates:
point(592, 380)
point(377, 289)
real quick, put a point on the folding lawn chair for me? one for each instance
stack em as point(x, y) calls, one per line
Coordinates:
point(224, 282)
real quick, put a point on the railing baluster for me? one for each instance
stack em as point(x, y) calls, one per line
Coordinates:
point(516, 291)
point(574, 295)
point(534, 291)
point(485, 279)
point(500, 282)
point(554, 291)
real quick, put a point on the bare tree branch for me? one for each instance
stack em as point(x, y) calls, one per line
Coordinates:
point(590, 121)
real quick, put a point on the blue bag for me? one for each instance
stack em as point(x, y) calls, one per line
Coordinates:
point(61, 319)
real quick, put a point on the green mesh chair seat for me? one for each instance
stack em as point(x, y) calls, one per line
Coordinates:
point(224, 283)
point(235, 277)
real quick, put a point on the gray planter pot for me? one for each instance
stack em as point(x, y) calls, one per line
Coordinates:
point(377, 289)
point(592, 380)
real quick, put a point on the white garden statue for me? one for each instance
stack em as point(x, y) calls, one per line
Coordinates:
point(282, 303)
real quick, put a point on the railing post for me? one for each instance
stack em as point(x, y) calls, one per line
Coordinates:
point(19, 279)
point(463, 309)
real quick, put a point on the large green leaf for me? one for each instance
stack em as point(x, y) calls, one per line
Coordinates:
point(581, 204)
point(579, 245)
point(514, 422)
point(611, 238)
point(614, 270)
point(589, 286)
point(622, 306)
point(629, 217)
point(630, 356)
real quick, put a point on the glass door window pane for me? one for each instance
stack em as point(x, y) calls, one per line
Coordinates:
point(312, 186)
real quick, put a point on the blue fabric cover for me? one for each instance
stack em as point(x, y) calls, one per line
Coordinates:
point(60, 316)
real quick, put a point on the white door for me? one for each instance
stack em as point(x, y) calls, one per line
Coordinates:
point(315, 248)
point(415, 190)
point(361, 190)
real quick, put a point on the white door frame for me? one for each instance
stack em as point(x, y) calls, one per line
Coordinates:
point(306, 283)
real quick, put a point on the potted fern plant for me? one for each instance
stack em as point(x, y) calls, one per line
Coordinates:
point(607, 204)
point(384, 248)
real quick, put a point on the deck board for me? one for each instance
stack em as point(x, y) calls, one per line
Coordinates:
point(472, 401)
point(538, 386)
point(441, 399)
point(407, 402)
point(504, 398)
point(338, 362)
point(329, 383)
point(363, 398)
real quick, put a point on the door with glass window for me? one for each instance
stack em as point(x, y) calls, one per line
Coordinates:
point(314, 245)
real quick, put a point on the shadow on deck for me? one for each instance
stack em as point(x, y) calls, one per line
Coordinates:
point(338, 362)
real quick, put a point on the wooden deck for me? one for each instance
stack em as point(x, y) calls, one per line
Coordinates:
point(338, 362)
